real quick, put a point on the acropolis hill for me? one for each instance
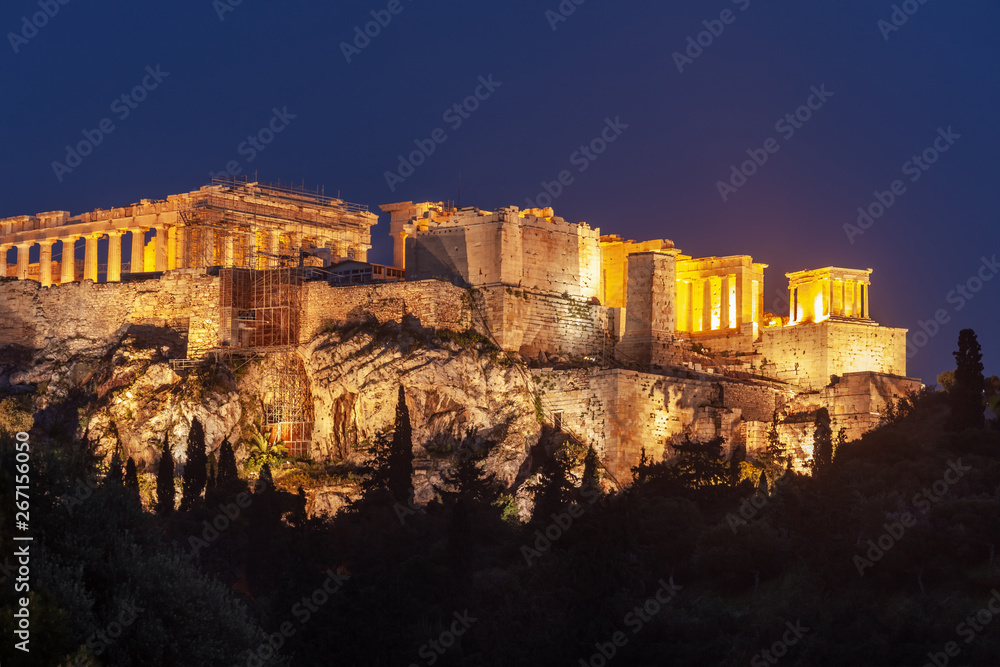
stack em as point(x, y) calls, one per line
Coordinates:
point(625, 344)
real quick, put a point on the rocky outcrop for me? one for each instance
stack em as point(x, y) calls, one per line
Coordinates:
point(458, 387)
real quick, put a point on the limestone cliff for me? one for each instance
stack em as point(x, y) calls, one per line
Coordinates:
point(455, 385)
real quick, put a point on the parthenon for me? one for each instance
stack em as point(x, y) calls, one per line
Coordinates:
point(230, 223)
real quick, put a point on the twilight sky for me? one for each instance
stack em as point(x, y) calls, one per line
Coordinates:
point(645, 122)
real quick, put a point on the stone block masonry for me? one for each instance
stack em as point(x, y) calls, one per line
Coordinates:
point(35, 316)
point(438, 305)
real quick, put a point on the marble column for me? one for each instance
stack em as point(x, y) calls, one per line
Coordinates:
point(45, 262)
point(4, 249)
point(22, 260)
point(90, 256)
point(161, 249)
point(68, 260)
point(114, 256)
point(138, 263)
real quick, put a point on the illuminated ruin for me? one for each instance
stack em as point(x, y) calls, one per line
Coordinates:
point(632, 344)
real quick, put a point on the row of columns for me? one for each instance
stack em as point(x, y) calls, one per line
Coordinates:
point(172, 252)
point(841, 298)
point(709, 304)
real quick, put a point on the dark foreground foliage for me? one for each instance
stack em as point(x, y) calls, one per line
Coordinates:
point(880, 560)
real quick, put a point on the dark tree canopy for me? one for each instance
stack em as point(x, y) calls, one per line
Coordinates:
point(399, 480)
point(822, 442)
point(165, 491)
point(966, 395)
point(195, 469)
point(227, 464)
point(132, 481)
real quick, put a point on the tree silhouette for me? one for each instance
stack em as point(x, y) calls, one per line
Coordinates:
point(195, 467)
point(132, 482)
point(399, 480)
point(115, 473)
point(165, 491)
point(773, 457)
point(966, 395)
point(700, 464)
point(227, 465)
point(822, 442)
point(553, 490)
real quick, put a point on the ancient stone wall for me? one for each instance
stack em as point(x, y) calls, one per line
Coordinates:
point(530, 322)
point(34, 316)
point(437, 304)
point(808, 354)
point(619, 412)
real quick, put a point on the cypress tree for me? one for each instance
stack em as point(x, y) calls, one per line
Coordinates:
point(966, 395)
point(822, 442)
point(227, 464)
point(165, 491)
point(115, 474)
point(400, 459)
point(195, 467)
point(132, 482)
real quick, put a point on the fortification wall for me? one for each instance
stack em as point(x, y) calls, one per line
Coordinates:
point(808, 354)
point(437, 304)
point(530, 322)
point(187, 299)
point(619, 412)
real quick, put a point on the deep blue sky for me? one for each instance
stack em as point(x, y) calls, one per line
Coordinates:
point(606, 60)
